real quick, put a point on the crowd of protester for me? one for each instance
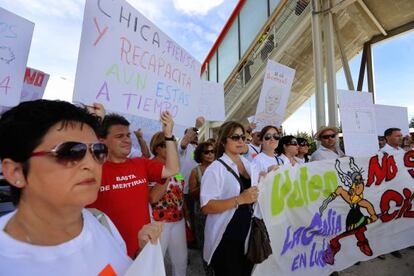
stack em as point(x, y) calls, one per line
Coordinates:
point(88, 202)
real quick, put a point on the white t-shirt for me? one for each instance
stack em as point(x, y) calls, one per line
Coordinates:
point(90, 253)
point(391, 150)
point(218, 183)
point(263, 161)
point(187, 163)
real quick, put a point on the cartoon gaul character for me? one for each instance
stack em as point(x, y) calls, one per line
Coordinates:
point(355, 221)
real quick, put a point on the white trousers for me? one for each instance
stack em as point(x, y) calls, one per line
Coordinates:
point(173, 238)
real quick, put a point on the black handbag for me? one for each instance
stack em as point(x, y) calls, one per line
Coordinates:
point(258, 248)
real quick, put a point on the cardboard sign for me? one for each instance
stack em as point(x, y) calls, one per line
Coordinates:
point(210, 103)
point(358, 123)
point(128, 64)
point(274, 95)
point(15, 38)
point(388, 116)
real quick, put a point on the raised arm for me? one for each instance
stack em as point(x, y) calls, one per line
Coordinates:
point(172, 163)
point(143, 145)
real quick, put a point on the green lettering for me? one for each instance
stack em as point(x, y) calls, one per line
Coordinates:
point(331, 183)
point(113, 70)
point(278, 197)
point(315, 185)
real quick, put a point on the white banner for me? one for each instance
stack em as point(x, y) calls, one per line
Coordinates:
point(128, 64)
point(15, 38)
point(325, 216)
point(358, 123)
point(210, 103)
point(274, 95)
point(149, 262)
point(389, 116)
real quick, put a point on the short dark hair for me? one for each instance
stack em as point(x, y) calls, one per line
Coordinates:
point(112, 119)
point(23, 128)
point(284, 141)
point(389, 131)
point(199, 151)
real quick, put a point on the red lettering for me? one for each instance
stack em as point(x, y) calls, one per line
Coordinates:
point(29, 78)
point(378, 173)
point(387, 197)
point(100, 33)
point(409, 162)
point(39, 79)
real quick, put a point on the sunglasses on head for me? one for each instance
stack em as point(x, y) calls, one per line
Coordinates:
point(237, 137)
point(275, 136)
point(69, 152)
point(327, 136)
point(206, 152)
point(304, 144)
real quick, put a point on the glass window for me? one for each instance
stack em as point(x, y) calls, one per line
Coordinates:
point(228, 53)
point(252, 18)
point(273, 5)
point(212, 68)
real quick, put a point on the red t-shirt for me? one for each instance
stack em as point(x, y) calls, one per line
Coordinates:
point(123, 196)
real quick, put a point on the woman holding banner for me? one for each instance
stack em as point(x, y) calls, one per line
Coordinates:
point(52, 159)
point(266, 160)
point(288, 149)
point(228, 188)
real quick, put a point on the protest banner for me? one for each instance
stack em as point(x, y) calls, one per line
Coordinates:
point(358, 123)
point(388, 116)
point(274, 95)
point(15, 39)
point(325, 216)
point(149, 262)
point(129, 65)
point(210, 103)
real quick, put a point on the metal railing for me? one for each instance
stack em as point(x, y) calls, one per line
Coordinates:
point(292, 12)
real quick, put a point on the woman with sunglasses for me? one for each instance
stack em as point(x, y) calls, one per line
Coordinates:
point(52, 160)
point(167, 200)
point(228, 188)
point(302, 157)
point(288, 149)
point(266, 160)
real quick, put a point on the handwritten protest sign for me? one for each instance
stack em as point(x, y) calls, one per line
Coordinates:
point(325, 216)
point(15, 38)
point(128, 64)
point(149, 262)
point(358, 123)
point(210, 103)
point(274, 95)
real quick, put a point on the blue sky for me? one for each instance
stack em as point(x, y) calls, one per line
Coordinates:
point(194, 24)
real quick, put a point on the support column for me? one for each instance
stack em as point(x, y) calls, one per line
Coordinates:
point(330, 67)
point(344, 58)
point(318, 64)
point(370, 71)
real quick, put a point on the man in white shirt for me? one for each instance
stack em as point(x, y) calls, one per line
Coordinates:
point(329, 149)
point(393, 137)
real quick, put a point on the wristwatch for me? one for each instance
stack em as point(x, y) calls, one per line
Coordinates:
point(172, 138)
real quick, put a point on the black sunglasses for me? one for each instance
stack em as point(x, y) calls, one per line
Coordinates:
point(275, 136)
point(292, 143)
point(327, 136)
point(208, 152)
point(70, 152)
point(237, 137)
point(304, 144)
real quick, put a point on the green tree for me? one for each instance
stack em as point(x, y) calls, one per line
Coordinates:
point(412, 122)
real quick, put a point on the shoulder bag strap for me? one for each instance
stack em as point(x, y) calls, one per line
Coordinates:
point(233, 173)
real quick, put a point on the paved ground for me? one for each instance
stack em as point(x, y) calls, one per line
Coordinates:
point(391, 266)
